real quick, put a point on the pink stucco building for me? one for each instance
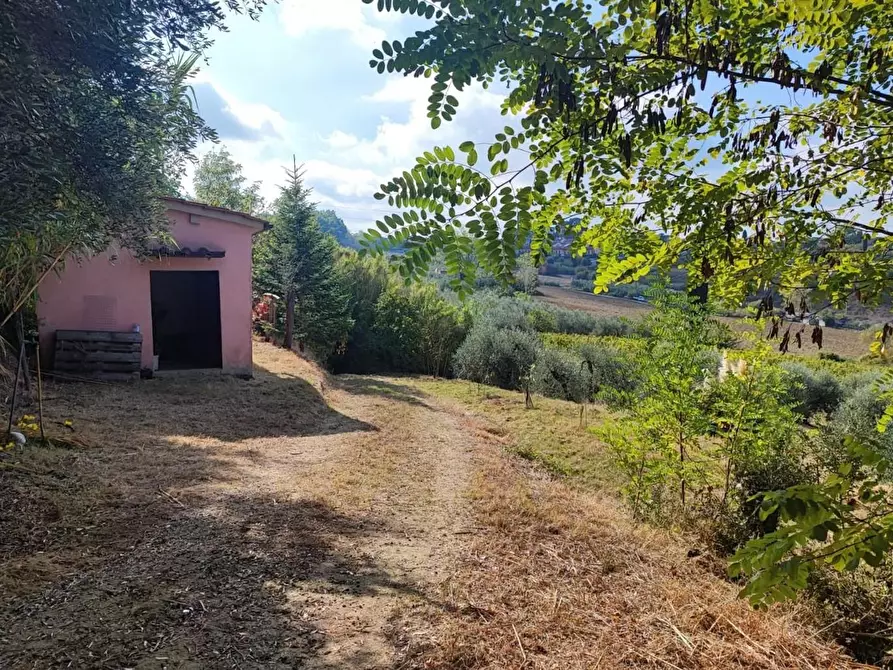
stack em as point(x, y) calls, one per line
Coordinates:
point(191, 302)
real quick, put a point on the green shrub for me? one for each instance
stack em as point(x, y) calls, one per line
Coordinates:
point(496, 356)
point(854, 382)
point(615, 378)
point(812, 391)
point(418, 329)
point(495, 311)
point(856, 417)
point(542, 320)
point(581, 323)
point(858, 607)
point(522, 313)
point(718, 334)
point(560, 374)
point(781, 465)
point(397, 327)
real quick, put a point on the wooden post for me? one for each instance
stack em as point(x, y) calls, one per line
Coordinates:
point(43, 436)
point(15, 387)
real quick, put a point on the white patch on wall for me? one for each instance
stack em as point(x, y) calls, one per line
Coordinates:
point(101, 312)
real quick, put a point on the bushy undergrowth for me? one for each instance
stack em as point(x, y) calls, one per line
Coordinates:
point(500, 357)
point(510, 346)
point(397, 328)
point(858, 607)
point(524, 313)
point(560, 374)
point(857, 418)
point(812, 391)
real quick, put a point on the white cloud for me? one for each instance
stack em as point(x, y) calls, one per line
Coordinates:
point(344, 168)
point(362, 22)
point(341, 140)
point(343, 180)
point(253, 115)
point(401, 89)
point(396, 145)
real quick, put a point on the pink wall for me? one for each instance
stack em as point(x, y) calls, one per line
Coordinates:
point(111, 291)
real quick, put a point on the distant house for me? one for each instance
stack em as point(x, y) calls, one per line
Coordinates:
point(184, 306)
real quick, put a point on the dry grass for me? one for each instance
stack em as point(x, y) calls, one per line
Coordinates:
point(550, 434)
point(843, 342)
point(559, 577)
point(279, 522)
point(211, 522)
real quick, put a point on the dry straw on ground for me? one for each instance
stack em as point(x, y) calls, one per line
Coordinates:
point(560, 579)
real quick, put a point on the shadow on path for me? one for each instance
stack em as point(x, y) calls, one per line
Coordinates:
point(376, 386)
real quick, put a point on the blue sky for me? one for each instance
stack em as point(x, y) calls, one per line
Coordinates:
point(298, 82)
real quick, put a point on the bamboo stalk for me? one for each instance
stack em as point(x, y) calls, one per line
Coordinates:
point(15, 387)
point(18, 305)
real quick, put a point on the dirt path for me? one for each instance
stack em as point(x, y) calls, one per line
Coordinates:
point(285, 522)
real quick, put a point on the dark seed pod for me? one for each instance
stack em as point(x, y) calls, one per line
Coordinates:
point(817, 336)
point(785, 341)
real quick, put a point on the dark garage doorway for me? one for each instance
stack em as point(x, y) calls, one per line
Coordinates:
point(186, 319)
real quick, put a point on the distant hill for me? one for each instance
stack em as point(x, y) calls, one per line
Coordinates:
point(332, 224)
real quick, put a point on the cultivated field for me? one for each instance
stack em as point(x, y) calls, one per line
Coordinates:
point(846, 343)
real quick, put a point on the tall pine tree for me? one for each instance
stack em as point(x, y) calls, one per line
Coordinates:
point(298, 260)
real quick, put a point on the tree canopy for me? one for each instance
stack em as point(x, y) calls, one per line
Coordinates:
point(297, 260)
point(755, 135)
point(219, 181)
point(97, 122)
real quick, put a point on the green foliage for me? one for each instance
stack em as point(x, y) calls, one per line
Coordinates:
point(632, 346)
point(561, 374)
point(858, 607)
point(396, 327)
point(812, 391)
point(615, 378)
point(526, 276)
point(497, 356)
point(501, 311)
point(542, 320)
point(842, 522)
point(417, 330)
point(755, 432)
point(519, 312)
point(704, 434)
point(582, 323)
point(218, 181)
point(611, 113)
point(365, 279)
point(856, 417)
point(655, 445)
point(97, 123)
point(332, 224)
point(299, 261)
